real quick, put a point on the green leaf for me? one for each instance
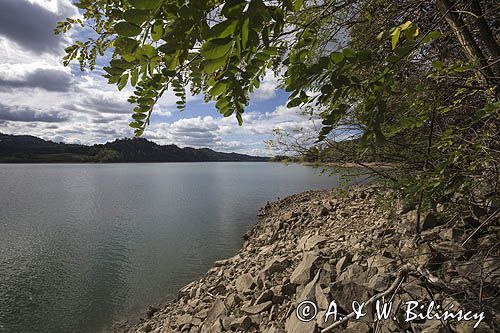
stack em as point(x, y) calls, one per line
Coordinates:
point(437, 64)
point(134, 76)
point(125, 45)
point(157, 31)
point(406, 25)
point(123, 81)
point(431, 36)
point(239, 118)
point(216, 48)
point(244, 32)
point(395, 37)
point(233, 8)
point(212, 65)
point(145, 4)
point(337, 57)
point(136, 124)
point(136, 16)
point(224, 29)
point(297, 5)
point(218, 89)
point(127, 29)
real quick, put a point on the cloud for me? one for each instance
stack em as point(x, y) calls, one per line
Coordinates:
point(100, 102)
point(23, 114)
point(31, 25)
point(50, 79)
point(267, 89)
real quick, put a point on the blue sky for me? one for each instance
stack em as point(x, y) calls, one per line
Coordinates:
point(41, 97)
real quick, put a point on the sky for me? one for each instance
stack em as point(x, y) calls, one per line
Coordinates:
point(41, 97)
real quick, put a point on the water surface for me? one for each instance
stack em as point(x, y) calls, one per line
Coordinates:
point(84, 245)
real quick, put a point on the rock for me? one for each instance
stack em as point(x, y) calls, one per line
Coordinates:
point(289, 216)
point(264, 297)
point(379, 282)
point(322, 211)
point(431, 220)
point(294, 325)
point(256, 309)
point(343, 263)
point(314, 241)
point(242, 323)
point(288, 289)
point(320, 320)
point(151, 311)
point(217, 310)
point(357, 327)
point(184, 319)
point(302, 273)
point(245, 283)
point(276, 265)
point(380, 262)
point(451, 234)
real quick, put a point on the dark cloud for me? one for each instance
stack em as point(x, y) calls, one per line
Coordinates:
point(23, 114)
point(100, 104)
point(44, 78)
point(31, 25)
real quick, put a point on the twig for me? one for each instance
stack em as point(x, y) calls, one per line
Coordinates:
point(403, 271)
point(482, 224)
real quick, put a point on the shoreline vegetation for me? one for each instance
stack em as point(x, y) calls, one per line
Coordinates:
point(30, 149)
point(344, 245)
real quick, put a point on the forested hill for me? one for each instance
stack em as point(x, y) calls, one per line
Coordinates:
point(26, 148)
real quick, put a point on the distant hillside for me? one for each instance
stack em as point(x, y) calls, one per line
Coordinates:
point(30, 149)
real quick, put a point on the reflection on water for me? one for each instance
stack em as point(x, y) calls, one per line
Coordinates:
point(84, 245)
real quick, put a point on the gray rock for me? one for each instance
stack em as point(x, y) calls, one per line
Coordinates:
point(265, 296)
point(288, 289)
point(242, 323)
point(245, 283)
point(276, 265)
point(256, 309)
point(343, 263)
point(431, 220)
point(294, 325)
point(302, 273)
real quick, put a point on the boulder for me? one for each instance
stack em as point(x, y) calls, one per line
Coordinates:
point(302, 273)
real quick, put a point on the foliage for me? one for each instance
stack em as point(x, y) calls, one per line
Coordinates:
point(414, 82)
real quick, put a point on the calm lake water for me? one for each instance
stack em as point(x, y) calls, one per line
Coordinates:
point(84, 245)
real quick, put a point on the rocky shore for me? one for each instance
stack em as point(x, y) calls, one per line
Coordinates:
point(340, 246)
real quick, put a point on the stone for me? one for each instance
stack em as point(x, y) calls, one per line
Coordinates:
point(357, 327)
point(265, 296)
point(302, 273)
point(217, 310)
point(151, 311)
point(431, 220)
point(294, 325)
point(245, 283)
point(256, 309)
point(288, 289)
point(242, 323)
point(314, 241)
point(322, 211)
point(343, 263)
point(276, 265)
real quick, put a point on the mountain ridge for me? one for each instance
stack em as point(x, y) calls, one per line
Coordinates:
point(31, 149)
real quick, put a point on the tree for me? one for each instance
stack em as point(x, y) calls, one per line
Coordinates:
point(414, 81)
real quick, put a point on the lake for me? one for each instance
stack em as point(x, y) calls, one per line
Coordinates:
point(85, 245)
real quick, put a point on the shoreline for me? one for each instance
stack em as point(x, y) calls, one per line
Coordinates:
point(320, 246)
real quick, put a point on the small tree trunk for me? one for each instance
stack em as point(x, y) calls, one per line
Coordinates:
point(466, 40)
point(486, 35)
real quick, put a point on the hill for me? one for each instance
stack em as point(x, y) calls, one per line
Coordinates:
point(30, 149)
